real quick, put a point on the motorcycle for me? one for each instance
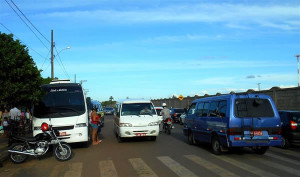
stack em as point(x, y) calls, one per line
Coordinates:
point(39, 145)
point(168, 126)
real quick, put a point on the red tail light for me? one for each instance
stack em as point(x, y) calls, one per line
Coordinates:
point(293, 125)
point(169, 120)
point(44, 126)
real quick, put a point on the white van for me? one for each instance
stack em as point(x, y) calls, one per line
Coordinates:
point(136, 118)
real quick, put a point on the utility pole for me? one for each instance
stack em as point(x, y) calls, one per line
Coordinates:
point(52, 67)
point(298, 67)
point(258, 84)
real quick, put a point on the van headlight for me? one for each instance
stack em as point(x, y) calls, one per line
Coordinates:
point(81, 125)
point(125, 125)
point(153, 124)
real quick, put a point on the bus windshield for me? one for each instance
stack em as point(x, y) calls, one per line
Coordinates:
point(64, 100)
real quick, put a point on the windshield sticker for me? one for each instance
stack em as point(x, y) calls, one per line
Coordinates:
point(58, 90)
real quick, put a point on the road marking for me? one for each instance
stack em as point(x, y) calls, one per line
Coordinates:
point(142, 169)
point(107, 169)
point(295, 162)
point(176, 167)
point(57, 169)
point(74, 170)
point(287, 152)
point(278, 166)
point(210, 166)
point(244, 166)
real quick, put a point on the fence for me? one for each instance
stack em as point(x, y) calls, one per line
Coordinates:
point(284, 98)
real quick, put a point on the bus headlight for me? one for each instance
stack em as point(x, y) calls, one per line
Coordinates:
point(125, 125)
point(153, 124)
point(80, 125)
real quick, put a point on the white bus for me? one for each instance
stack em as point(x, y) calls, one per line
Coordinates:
point(65, 103)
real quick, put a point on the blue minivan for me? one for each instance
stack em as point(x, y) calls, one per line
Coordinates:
point(235, 120)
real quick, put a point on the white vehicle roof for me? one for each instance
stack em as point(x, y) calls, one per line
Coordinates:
point(60, 81)
point(128, 101)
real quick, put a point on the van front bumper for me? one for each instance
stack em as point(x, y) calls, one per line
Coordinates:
point(138, 131)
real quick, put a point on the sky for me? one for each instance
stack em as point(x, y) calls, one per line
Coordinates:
point(160, 48)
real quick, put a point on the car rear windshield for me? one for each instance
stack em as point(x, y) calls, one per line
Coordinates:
point(295, 117)
point(179, 110)
point(253, 107)
point(137, 109)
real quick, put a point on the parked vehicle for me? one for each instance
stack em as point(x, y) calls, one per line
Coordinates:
point(176, 113)
point(167, 126)
point(290, 127)
point(236, 120)
point(39, 145)
point(109, 111)
point(136, 118)
point(182, 118)
point(65, 103)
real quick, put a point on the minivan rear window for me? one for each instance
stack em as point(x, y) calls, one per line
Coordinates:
point(253, 107)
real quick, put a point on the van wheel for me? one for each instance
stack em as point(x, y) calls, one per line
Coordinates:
point(261, 150)
point(191, 139)
point(285, 143)
point(120, 139)
point(216, 146)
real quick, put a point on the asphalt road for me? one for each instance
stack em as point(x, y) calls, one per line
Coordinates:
point(169, 155)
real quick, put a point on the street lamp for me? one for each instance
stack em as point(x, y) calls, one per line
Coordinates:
point(52, 58)
point(82, 81)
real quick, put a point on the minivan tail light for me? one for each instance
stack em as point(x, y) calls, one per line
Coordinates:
point(293, 125)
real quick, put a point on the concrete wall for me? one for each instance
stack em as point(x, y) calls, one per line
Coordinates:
point(285, 99)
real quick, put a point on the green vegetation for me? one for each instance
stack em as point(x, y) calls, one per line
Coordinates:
point(20, 79)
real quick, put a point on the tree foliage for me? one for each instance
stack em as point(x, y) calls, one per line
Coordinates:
point(20, 79)
point(109, 103)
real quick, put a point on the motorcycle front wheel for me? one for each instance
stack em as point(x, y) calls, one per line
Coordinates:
point(16, 157)
point(63, 152)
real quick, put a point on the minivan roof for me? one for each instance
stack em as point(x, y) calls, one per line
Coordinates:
point(233, 96)
point(289, 111)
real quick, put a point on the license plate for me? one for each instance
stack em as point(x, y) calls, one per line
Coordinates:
point(256, 133)
point(140, 134)
point(62, 133)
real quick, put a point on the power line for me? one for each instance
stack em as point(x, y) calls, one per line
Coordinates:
point(63, 67)
point(23, 41)
point(29, 21)
point(26, 24)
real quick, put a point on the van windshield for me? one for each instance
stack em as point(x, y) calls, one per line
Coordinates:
point(253, 107)
point(60, 101)
point(138, 109)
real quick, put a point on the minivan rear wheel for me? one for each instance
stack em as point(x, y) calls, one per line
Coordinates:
point(216, 146)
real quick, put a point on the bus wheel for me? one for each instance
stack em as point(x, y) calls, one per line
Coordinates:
point(216, 146)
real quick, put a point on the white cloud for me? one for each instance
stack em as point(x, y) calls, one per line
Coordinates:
point(232, 15)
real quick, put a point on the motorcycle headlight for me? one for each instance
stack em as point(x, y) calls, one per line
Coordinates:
point(125, 125)
point(153, 123)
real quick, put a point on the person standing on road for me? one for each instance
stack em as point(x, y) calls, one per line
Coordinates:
point(94, 124)
point(165, 113)
point(15, 114)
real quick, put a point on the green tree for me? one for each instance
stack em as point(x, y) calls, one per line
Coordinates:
point(20, 79)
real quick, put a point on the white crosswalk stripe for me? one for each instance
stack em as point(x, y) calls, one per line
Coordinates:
point(245, 166)
point(210, 166)
point(142, 169)
point(74, 170)
point(277, 166)
point(286, 152)
point(107, 169)
point(176, 167)
point(295, 162)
